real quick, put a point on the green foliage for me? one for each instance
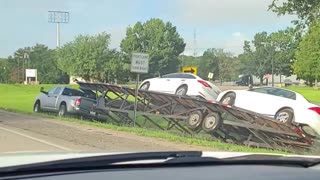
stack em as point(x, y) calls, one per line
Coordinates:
point(4, 70)
point(38, 57)
point(286, 43)
point(220, 63)
point(307, 10)
point(84, 56)
point(278, 47)
point(43, 59)
point(307, 64)
point(160, 40)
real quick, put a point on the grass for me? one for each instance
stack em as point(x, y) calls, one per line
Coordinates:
point(20, 98)
point(311, 94)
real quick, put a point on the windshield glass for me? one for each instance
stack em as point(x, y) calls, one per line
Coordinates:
point(136, 76)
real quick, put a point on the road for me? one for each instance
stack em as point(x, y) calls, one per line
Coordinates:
point(19, 132)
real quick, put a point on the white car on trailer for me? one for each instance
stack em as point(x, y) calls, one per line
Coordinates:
point(185, 84)
point(287, 106)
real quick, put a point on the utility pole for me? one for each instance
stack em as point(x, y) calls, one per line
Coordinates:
point(58, 17)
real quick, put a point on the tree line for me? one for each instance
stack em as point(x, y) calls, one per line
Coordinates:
point(294, 50)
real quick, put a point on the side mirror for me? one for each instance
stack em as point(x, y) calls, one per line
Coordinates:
point(42, 90)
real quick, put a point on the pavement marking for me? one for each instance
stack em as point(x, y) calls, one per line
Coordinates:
point(36, 139)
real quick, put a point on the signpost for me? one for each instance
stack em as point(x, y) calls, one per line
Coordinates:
point(192, 70)
point(139, 65)
point(210, 75)
point(31, 73)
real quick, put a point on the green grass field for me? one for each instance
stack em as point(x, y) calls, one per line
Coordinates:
point(20, 98)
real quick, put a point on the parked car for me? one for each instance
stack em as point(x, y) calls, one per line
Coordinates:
point(182, 84)
point(65, 100)
point(287, 106)
point(289, 82)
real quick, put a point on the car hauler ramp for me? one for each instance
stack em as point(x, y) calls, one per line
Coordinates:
point(194, 117)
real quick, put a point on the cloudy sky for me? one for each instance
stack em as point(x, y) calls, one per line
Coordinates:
point(217, 23)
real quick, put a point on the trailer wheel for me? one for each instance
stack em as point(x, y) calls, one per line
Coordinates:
point(211, 122)
point(194, 120)
point(309, 131)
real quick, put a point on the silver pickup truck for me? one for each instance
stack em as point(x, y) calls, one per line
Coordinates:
point(65, 100)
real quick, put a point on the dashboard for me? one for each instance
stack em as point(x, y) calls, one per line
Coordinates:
point(214, 172)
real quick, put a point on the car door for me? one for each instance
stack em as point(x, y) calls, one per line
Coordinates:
point(172, 83)
point(52, 98)
point(166, 84)
point(46, 98)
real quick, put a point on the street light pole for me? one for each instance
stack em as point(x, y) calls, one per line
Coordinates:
point(272, 71)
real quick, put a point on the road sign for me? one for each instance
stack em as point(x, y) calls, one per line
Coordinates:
point(210, 75)
point(140, 63)
point(192, 70)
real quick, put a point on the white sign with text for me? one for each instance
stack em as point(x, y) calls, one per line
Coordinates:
point(140, 63)
point(31, 72)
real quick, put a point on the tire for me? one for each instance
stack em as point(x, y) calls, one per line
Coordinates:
point(62, 110)
point(182, 90)
point(194, 120)
point(228, 99)
point(211, 122)
point(145, 86)
point(285, 116)
point(36, 107)
point(308, 131)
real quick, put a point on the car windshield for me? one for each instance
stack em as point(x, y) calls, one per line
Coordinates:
point(138, 76)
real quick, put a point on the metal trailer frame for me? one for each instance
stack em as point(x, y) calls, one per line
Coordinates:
point(235, 125)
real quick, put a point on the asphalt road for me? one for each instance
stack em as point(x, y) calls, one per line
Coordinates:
point(19, 132)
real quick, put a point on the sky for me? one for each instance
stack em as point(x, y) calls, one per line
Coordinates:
point(215, 23)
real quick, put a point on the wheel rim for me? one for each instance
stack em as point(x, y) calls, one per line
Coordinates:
point(210, 122)
point(194, 119)
point(36, 108)
point(283, 117)
point(144, 87)
point(226, 100)
point(181, 91)
point(62, 111)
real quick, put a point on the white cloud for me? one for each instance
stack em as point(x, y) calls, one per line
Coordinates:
point(235, 43)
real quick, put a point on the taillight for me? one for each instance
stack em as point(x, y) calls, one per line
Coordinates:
point(77, 102)
point(204, 83)
point(315, 109)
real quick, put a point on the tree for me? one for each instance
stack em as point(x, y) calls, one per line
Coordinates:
point(307, 63)
point(306, 10)
point(257, 56)
point(285, 43)
point(4, 71)
point(44, 60)
point(84, 56)
point(219, 62)
point(157, 38)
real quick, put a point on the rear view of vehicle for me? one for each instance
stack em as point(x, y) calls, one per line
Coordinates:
point(64, 100)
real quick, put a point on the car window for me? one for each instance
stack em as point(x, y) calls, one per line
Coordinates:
point(72, 92)
point(171, 76)
point(276, 92)
point(57, 91)
point(187, 76)
point(51, 91)
point(261, 90)
point(284, 93)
